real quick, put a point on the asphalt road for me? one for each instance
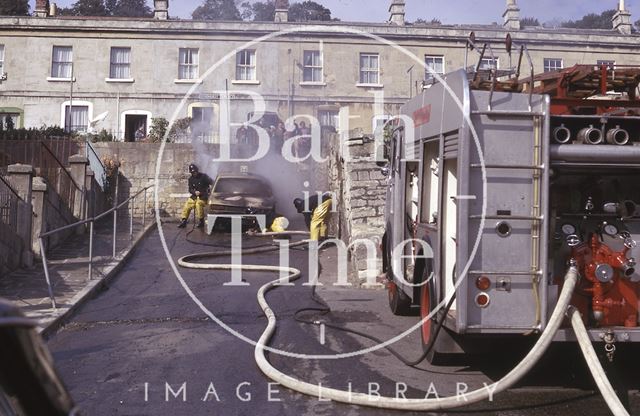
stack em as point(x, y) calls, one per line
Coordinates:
point(127, 350)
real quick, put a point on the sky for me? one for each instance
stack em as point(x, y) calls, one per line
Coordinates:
point(455, 11)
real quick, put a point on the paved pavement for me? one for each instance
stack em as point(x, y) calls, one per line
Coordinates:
point(128, 350)
point(68, 271)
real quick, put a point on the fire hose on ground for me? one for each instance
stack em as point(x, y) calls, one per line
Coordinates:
point(561, 310)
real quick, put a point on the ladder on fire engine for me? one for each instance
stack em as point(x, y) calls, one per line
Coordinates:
point(537, 217)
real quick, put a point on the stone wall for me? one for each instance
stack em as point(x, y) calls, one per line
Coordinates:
point(55, 214)
point(139, 162)
point(362, 190)
point(11, 249)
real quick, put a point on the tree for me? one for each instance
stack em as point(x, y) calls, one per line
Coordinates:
point(111, 6)
point(592, 21)
point(14, 7)
point(434, 21)
point(637, 24)
point(85, 8)
point(129, 8)
point(217, 10)
point(529, 21)
point(308, 11)
point(259, 11)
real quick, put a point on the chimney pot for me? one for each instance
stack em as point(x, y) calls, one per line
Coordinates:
point(161, 9)
point(282, 11)
point(397, 12)
point(511, 16)
point(42, 8)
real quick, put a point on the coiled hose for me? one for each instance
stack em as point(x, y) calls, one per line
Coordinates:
point(394, 403)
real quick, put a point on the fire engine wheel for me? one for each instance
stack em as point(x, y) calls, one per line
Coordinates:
point(427, 329)
point(399, 302)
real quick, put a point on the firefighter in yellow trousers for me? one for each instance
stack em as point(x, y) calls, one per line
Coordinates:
point(199, 184)
point(315, 213)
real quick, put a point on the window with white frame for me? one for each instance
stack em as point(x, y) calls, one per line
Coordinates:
point(246, 65)
point(435, 63)
point(62, 62)
point(1, 60)
point(189, 61)
point(120, 67)
point(610, 64)
point(552, 64)
point(490, 63)
point(76, 118)
point(369, 68)
point(312, 69)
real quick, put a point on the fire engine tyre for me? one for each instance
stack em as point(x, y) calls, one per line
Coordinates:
point(399, 302)
point(428, 326)
point(429, 330)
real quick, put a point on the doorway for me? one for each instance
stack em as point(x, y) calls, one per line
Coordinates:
point(135, 127)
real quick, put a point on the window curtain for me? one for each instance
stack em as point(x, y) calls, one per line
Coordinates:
point(189, 61)
point(79, 119)
point(120, 63)
point(246, 65)
point(62, 61)
point(312, 67)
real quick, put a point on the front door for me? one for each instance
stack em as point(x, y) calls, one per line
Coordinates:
point(135, 127)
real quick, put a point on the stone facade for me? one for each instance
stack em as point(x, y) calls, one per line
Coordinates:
point(361, 188)
point(154, 88)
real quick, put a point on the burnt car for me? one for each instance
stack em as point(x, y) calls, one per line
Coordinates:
point(242, 194)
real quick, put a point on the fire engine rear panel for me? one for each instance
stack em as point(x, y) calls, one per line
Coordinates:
point(511, 249)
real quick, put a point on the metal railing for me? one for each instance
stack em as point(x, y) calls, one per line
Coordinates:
point(99, 171)
point(91, 221)
point(57, 176)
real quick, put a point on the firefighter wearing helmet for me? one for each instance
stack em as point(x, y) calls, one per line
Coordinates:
point(199, 185)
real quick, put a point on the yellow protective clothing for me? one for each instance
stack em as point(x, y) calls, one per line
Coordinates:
point(198, 204)
point(318, 227)
point(279, 225)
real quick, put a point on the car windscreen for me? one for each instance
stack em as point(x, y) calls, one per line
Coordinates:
point(242, 186)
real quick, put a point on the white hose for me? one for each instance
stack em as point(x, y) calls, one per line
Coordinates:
point(413, 404)
point(594, 365)
point(534, 355)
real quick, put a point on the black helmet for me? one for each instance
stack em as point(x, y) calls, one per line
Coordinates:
point(193, 168)
point(299, 204)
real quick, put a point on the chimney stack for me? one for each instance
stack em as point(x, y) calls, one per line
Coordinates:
point(622, 20)
point(42, 8)
point(396, 11)
point(161, 9)
point(282, 11)
point(511, 16)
